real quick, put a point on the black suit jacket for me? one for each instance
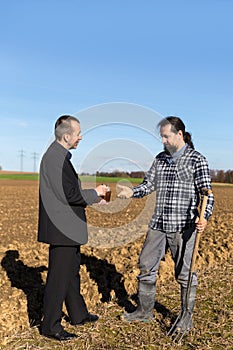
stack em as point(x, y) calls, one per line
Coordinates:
point(62, 202)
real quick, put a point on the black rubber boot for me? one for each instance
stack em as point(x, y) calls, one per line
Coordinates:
point(146, 301)
point(187, 305)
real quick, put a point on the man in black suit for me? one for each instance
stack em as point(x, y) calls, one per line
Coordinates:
point(62, 225)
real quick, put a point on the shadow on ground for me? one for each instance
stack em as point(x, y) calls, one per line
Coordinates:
point(29, 280)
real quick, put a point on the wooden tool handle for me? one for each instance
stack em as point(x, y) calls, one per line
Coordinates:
point(198, 235)
point(203, 206)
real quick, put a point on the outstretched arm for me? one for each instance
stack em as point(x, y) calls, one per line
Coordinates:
point(147, 186)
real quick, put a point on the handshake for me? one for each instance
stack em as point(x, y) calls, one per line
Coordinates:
point(123, 192)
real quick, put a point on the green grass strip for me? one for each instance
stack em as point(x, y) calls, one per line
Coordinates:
point(85, 178)
point(19, 176)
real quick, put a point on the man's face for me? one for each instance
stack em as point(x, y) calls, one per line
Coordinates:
point(170, 140)
point(75, 136)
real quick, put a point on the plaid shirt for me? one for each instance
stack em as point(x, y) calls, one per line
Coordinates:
point(177, 185)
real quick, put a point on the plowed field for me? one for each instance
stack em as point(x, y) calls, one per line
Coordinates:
point(108, 272)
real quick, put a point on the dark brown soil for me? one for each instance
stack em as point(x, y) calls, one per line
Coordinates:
point(108, 271)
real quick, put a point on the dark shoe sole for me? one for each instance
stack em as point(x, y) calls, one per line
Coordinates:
point(60, 338)
point(87, 320)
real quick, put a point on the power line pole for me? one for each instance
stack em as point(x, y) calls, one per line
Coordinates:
point(35, 157)
point(22, 155)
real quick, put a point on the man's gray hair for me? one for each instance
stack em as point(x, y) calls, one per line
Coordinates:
point(63, 126)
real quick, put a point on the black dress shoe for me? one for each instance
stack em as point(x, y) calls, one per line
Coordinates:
point(62, 336)
point(89, 319)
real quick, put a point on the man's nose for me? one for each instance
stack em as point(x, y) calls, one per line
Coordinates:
point(164, 140)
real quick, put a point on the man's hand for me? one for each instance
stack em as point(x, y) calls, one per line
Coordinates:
point(124, 192)
point(200, 224)
point(102, 202)
point(101, 190)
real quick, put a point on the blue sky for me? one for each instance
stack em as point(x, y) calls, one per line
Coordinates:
point(65, 56)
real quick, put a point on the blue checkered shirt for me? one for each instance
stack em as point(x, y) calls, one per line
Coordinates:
point(178, 186)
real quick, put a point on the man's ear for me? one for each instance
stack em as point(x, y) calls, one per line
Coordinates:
point(65, 138)
point(180, 133)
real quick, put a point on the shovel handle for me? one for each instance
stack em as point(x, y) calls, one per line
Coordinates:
point(198, 235)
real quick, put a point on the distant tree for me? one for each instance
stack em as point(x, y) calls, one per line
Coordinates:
point(229, 176)
point(137, 174)
point(115, 173)
point(85, 174)
point(220, 176)
point(213, 175)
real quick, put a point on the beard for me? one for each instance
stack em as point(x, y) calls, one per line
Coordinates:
point(170, 149)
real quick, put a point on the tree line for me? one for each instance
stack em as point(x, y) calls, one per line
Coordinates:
point(216, 175)
point(123, 174)
point(222, 176)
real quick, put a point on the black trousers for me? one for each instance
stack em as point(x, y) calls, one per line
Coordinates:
point(63, 285)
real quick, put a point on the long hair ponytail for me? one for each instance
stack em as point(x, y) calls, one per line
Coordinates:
point(188, 139)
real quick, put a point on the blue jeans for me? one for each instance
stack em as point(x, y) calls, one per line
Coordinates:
point(181, 246)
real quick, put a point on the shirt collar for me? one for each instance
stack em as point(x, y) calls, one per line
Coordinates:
point(63, 150)
point(176, 155)
point(179, 153)
point(69, 155)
